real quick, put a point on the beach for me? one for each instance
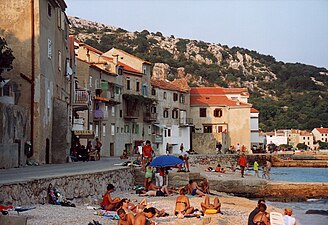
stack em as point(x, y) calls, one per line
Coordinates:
point(235, 211)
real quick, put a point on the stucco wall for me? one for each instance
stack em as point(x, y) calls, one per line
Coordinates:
point(81, 188)
point(203, 143)
point(14, 127)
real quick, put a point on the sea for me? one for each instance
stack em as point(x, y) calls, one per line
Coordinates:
point(303, 174)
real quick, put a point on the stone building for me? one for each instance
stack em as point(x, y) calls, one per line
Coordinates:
point(37, 32)
point(300, 136)
point(173, 126)
point(220, 115)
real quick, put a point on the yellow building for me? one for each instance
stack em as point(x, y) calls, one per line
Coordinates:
point(300, 136)
point(220, 115)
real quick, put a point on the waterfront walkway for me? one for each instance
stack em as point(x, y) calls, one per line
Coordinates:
point(28, 173)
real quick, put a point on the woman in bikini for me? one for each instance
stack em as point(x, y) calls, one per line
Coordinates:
point(262, 217)
point(182, 204)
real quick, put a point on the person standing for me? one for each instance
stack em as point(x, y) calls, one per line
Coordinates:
point(185, 157)
point(288, 219)
point(98, 146)
point(218, 147)
point(256, 169)
point(268, 168)
point(242, 163)
point(147, 152)
point(181, 147)
point(159, 176)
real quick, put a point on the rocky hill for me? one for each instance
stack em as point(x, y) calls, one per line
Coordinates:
point(288, 95)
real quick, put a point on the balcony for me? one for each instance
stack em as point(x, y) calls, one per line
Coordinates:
point(185, 122)
point(98, 114)
point(81, 100)
point(150, 117)
point(156, 138)
point(131, 114)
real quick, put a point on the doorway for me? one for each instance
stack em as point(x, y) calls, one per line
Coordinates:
point(111, 149)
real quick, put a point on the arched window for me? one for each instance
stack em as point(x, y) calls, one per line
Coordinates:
point(217, 112)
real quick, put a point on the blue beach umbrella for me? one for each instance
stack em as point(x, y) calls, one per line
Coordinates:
point(166, 160)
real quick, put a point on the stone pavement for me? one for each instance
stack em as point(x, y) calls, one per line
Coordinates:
point(28, 173)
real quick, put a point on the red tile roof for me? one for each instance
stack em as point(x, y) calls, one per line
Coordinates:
point(182, 84)
point(167, 85)
point(254, 110)
point(96, 66)
point(214, 101)
point(322, 130)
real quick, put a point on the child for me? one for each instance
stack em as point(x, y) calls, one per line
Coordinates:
point(256, 169)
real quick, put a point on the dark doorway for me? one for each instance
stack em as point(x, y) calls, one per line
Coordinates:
point(111, 148)
point(47, 151)
point(19, 151)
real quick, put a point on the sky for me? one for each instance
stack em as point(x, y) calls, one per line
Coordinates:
point(289, 30)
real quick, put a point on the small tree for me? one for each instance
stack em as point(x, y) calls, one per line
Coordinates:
point(301, 146)
point(6, 57)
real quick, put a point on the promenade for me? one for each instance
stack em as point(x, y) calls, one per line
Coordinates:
point(28, 173)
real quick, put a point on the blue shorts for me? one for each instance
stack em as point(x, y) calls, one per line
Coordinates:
point(194, 191)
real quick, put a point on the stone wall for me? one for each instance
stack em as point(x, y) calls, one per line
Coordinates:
point(204, 143)
point(14, 128)
point(87, 188)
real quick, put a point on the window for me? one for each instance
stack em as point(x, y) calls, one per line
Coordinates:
point(49, 49)
point(113, 110)
point(49, 9)
point(153, 91)
point(182, 98)
point(202, 112)
point(104, 130)
point(165, 133)
point(169, 132)
point(217, 112)
point(117, 129)
point(126, 129)
point(90, 81)
point(137, 86)
point(119, 71)
point(219, 129)
point(208, 129)
point(121, 113)
point(149, 130)
point(112, 129)
point(144, 69)
point(153, 109)
point(144, 90)
point(59, 60)
point(175, 97)
point(175, 114)
point(165, 113)
point(128, 87)
point(164, 95)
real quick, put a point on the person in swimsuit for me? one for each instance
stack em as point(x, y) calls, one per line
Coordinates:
point(207, 204)
point(108, 203)
point(148, 176)
point(125, 218)
point(195, 189)
point(262, 217)
point(163, 191)
point(144, 218)
point(182, 204)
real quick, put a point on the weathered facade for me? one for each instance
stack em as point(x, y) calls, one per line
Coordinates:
point(223, 112)
point(41, 71)
point(173, 126)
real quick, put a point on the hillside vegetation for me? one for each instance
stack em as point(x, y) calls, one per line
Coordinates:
point(288, 95)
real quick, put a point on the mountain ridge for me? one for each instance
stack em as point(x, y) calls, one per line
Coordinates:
point(288, 95)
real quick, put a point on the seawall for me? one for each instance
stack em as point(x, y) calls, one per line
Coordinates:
point(85, 187)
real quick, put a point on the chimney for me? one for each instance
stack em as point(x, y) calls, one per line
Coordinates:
point(115, 59)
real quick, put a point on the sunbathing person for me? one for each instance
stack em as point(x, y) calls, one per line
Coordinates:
point(205, 186)
point(131, 208)
point(262, 217)
point(207, 204)
point(195, 189)
point(182, 204)
point(144, 218)
point(125, 218)
point(163, 191)
point(108, 203)
point(220, 169)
